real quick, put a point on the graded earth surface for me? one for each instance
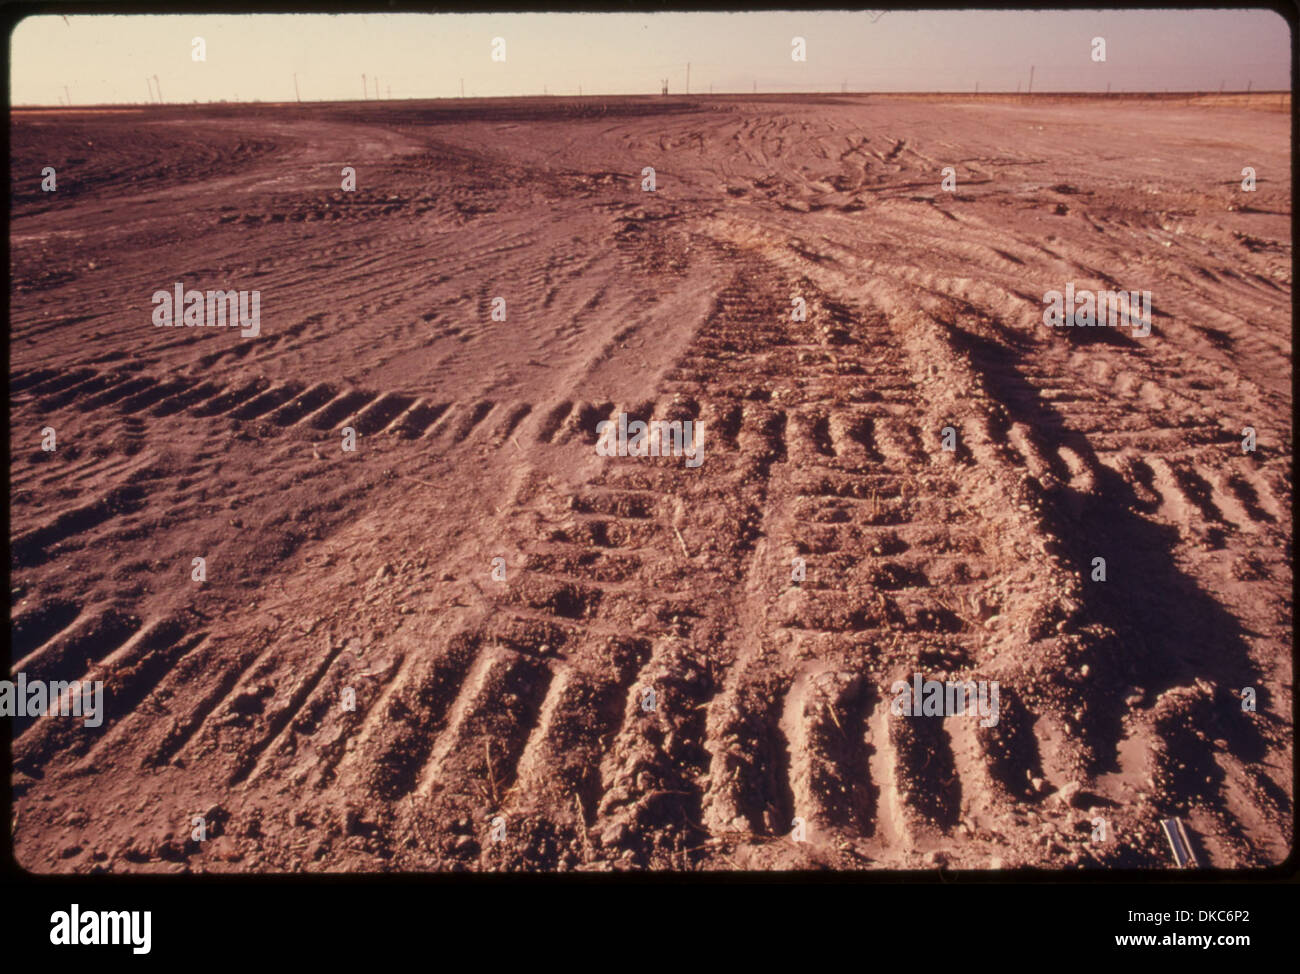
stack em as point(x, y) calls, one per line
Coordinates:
point(671, 667)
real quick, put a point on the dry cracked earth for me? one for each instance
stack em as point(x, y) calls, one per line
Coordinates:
point(649, 687)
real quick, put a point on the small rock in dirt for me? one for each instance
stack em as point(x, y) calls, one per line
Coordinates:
point(351, 821)
point(614, 835)
point(1069, 793)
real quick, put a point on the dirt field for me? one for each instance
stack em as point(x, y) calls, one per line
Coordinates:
point(649, 687)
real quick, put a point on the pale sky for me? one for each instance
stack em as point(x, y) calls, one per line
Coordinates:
point(105, 59)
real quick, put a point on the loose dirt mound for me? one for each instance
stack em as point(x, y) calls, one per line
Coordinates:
point(682, 667)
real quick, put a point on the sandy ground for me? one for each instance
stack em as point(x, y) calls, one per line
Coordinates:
point(648, 687)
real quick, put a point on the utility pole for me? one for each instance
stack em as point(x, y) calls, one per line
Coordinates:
point(295, 88)
point(1031, 79)
point(1248, 84)
point(365, 90)
point(376, 87)
point(977, 87)
point(68, 95)
point(157, 85)
point(688, 77)
point(150, 84)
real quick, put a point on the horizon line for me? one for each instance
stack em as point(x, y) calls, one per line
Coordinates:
point(1149, 93)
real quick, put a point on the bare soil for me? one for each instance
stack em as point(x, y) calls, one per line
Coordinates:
point(523, 702)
